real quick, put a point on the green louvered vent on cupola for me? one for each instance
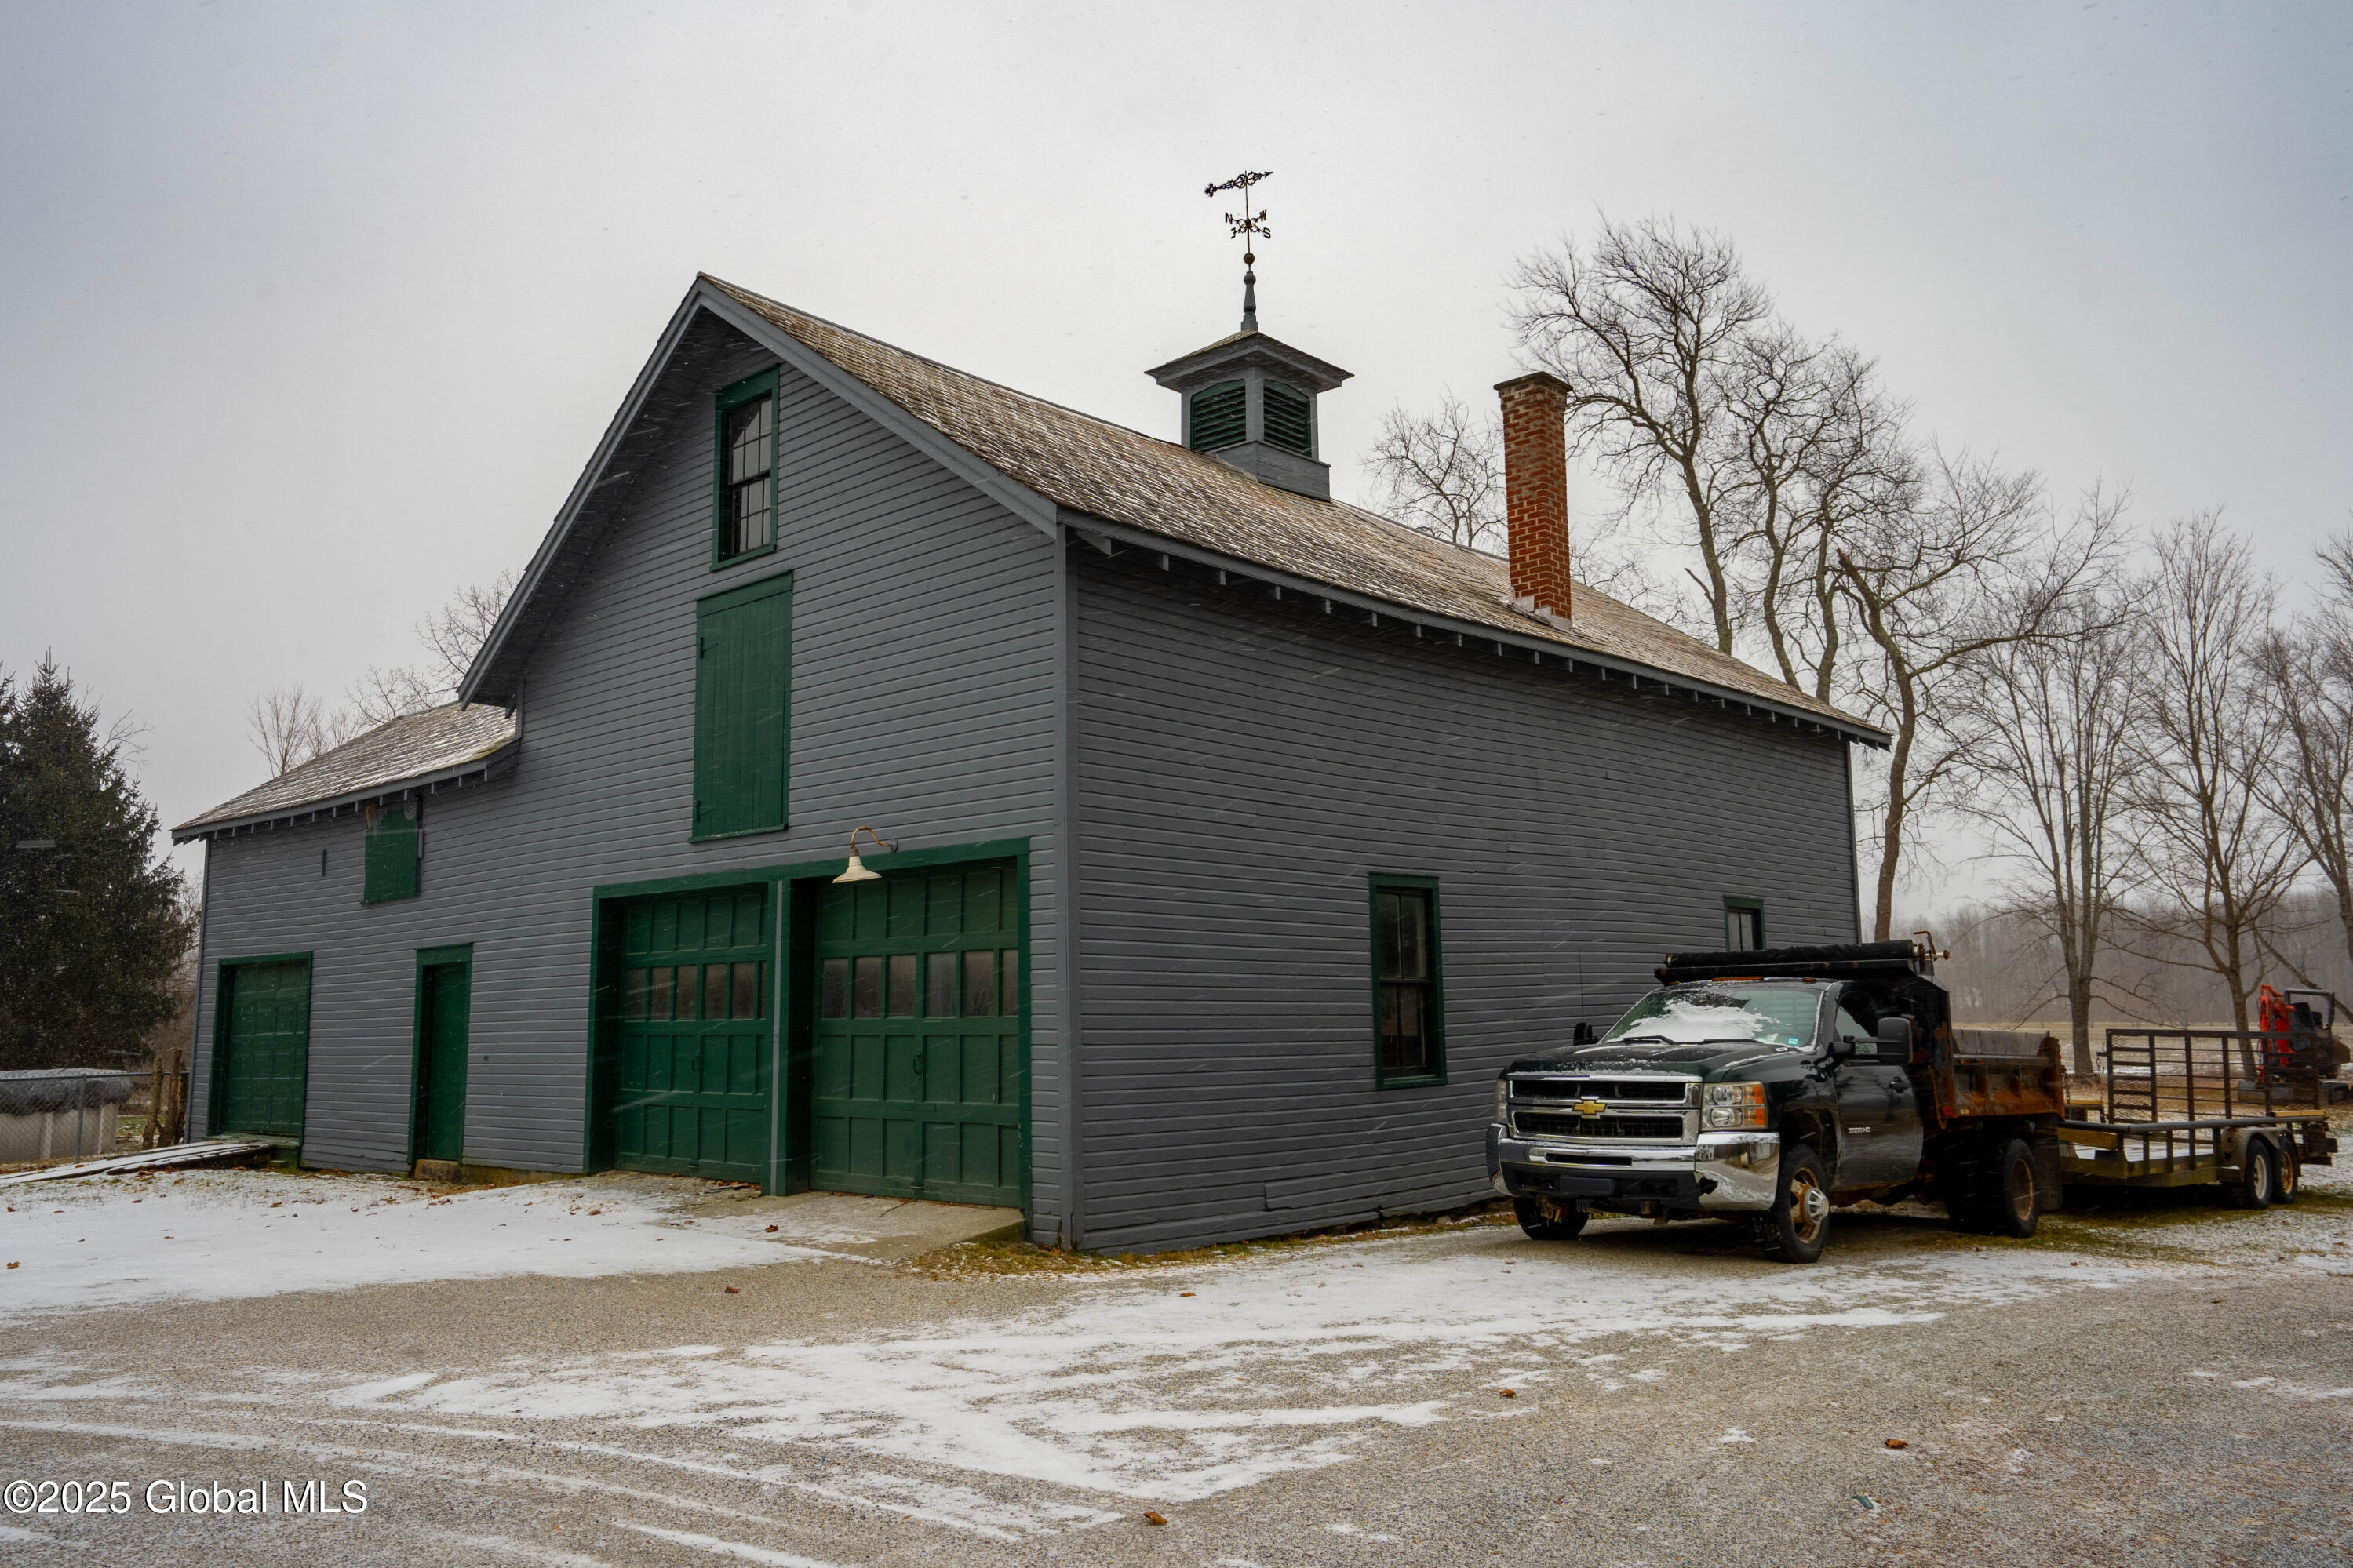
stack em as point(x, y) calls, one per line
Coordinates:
point(1220, 416)
point(1290, 418)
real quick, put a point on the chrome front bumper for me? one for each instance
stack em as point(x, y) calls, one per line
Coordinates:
point(1729, 1171)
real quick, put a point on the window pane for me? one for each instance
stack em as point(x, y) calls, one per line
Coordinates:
point(941, 1000)
point(902, 984)
point(687, 974)
point(979, 985)
point(633, 1002)
point(869, 987)
point(1008, 982)
point(1402, 933)
point(660, 982)
point(834, 991)
point(746, 1000)
point(1404, 1046)
point(715, 991)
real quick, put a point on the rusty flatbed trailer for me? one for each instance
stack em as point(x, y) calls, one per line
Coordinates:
point(2183, 1108)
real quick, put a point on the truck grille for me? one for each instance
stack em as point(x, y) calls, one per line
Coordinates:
point(1664, 1092)
point(1658, 1128)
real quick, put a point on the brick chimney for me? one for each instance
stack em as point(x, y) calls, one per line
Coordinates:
point(1535, 488)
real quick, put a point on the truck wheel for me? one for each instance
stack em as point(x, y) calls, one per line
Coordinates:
point(2009, 1199)
point(1794, 1229)
point(1546, 1221)
point(2258, 1175)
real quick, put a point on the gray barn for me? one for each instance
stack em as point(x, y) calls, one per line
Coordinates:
point(1235, 836)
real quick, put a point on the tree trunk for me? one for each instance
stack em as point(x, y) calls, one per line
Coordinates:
point(2079, 1022)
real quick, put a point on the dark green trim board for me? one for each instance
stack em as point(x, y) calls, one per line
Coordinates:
point(1430, 984)
point(223, 1049)
point(391, 844)
point(1736, 904)
point(730, 398)
point(899, 860)
point(743, 709)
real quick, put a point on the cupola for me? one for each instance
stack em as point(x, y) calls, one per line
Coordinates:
point(1250, 400)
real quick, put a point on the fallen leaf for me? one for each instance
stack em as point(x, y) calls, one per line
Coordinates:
point(1510, 1394)
point(772, 1229)
point(733, 1291)
point(1155, 1518)
point(1897, 1443)
point(12, 1266)
point(1184, 1292)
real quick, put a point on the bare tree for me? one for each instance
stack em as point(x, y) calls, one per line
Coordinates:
point(289, 726)
point(2306, 673)
point(451, 635)
point(2221, 861)
point(1975, 564)
point(2047, 724)
point(1441, 473)
point(1647, 325)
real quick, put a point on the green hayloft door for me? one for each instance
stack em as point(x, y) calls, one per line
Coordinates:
point(267, 1050)
point(693, 1091)
point(920, 1052)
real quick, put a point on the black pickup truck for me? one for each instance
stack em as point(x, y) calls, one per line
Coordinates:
point(1781, 1084)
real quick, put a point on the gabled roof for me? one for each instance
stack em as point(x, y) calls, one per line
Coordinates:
point(1059, 460)
point(439, 747)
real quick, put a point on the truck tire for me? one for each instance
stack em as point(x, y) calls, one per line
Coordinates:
point(2009, 1199)
point(1546, 1221)
point(1795, 1228)
point(2258, 1177)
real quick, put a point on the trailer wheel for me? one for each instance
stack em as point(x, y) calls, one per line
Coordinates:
point(2287, 1181)
point(2009, 1196)
point(1547, 1221)
point(2258, 1175)
point(1798, 1224)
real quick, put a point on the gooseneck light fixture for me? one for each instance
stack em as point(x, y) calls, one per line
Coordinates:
point(857, 871)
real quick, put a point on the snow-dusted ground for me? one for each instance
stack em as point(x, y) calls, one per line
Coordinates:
point(203, 1236)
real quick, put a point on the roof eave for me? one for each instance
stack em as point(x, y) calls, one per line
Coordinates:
point(489, 764)
point(1100, 531)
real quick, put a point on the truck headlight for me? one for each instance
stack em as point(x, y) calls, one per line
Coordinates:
point(1732, 1105)
point(1502, 1098)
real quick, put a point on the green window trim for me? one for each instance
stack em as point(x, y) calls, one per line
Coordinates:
point(1288, 416)
point(743, 710)
point(744, 449)
point(391, 844)
point(1740, 911)
point(1409, 982)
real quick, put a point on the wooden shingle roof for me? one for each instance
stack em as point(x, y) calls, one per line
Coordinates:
point(416, 751)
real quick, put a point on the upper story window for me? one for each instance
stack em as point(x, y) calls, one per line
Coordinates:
point(1220, 416)
point(746, 521)
point(1744, 924)
point(1290, 418)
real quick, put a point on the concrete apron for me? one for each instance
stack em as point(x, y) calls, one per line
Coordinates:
point(886, 1230)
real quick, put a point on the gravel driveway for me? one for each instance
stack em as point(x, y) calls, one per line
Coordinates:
point(2167, 1387)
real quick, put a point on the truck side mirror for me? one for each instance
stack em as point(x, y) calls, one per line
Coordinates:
point(1895, 1040)
point(1586, 1033)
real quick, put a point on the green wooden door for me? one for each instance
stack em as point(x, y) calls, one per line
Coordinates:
point(445, 996)
point(918, 1050)
point(691, 1095)
point(266, 1048)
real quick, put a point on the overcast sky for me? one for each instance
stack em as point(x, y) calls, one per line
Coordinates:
point(312, 312)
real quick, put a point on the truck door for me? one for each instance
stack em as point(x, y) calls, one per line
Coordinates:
point(1879, 1113)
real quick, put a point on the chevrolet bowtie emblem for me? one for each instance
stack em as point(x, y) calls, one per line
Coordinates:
point(1588, 1107)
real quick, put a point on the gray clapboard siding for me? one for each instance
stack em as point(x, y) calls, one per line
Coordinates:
point(1243, 765)
point(924, 702)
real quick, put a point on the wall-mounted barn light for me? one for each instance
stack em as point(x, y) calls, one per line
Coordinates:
point(857, 871)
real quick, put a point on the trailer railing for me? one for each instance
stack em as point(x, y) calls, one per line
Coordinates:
point(2173, 1100)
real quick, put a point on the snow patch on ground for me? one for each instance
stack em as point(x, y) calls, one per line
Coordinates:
point(1269, 1366)
point(210, 1235)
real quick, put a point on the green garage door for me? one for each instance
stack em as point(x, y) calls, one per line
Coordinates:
point(691, 1091)
point(919, 1049)
point(265, 1049)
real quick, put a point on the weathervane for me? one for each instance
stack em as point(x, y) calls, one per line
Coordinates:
point(1247, 228)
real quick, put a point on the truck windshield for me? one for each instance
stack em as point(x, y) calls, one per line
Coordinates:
point(1781, 1015)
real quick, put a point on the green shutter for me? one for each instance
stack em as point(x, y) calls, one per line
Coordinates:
point(1220, 416)
point(391, 844)
point(1290, 418)
point(743, 698)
